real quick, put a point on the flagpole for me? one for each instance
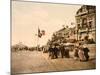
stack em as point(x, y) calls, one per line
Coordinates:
point(39, 35)
point(37, 39)
point(37, 43)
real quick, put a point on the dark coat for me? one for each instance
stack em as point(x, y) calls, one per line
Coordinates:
point(50, 49)
point(55, 50)
point(62, 49)
point(86, 50)
point(76, 53)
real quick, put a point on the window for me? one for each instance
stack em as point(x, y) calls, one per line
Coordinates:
point(78, 20)
point(90, 18)
point(90, 24)
point(78, 26)
point(84, 23)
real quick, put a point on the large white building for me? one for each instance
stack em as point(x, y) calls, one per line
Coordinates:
point(86, 22)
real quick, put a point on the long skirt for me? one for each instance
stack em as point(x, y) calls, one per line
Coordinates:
point(81, 55)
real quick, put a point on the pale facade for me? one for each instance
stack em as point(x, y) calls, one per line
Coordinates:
point(86, 22)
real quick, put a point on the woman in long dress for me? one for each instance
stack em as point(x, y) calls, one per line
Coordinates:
point(81, 54)
point(76, 56)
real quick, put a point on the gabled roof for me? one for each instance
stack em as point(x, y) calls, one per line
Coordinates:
point(61, 30)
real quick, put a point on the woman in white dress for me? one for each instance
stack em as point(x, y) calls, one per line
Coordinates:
point(81, 54)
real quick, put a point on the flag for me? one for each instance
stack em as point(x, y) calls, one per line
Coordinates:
point(43, 32)
point(39, 33)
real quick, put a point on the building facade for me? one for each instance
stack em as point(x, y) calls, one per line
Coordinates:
point(61, 35)
point(86, 22)
point(64, 35)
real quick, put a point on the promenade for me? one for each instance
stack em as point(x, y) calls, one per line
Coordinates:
point(37, 61)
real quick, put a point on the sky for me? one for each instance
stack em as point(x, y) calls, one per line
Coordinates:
point(28, 16)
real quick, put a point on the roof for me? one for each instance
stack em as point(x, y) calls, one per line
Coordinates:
point(61, 30)
point(88, 7)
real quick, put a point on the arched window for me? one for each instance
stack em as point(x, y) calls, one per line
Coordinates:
point(84, 23)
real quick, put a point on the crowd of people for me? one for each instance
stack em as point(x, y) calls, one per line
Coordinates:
point(79, 52)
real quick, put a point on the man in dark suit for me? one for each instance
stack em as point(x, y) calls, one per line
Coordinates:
point(55, 49)
point(86, 50)
point(62, 49)
point(51, 54)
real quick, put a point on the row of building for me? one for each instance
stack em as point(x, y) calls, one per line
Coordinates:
point(85, 27)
